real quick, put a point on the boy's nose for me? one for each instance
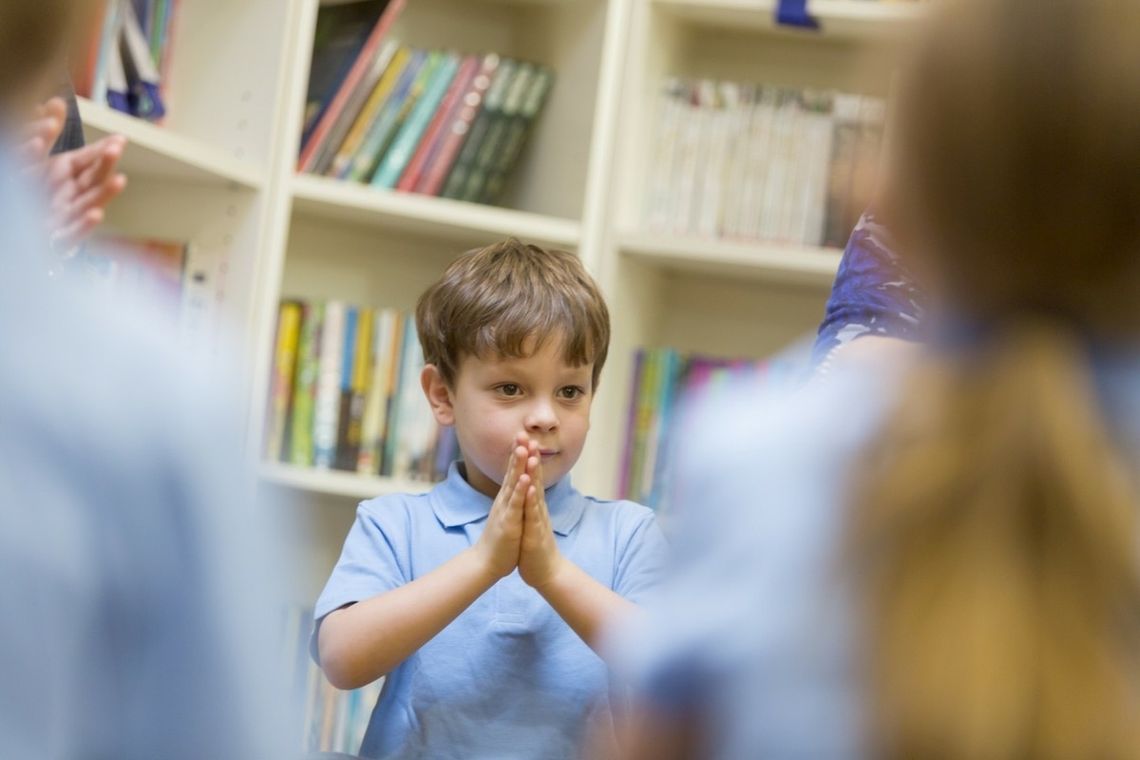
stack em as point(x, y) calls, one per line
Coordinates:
point(541, 418)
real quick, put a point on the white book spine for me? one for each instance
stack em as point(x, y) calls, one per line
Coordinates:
point(327, 410)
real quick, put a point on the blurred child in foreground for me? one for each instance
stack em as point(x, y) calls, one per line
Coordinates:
point(936, 556)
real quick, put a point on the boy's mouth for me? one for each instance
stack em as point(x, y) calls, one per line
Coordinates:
point(547, 453)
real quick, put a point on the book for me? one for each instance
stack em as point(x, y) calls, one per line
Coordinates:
point(347, 373)
point(328, 148)
point(380, 133)
point(409, 440)
point(492, 142)
point(327, 402)
point(348, 454)
point(435, 87)
point(284, 371)
point(330, 113)
point(305, 385)
point(455, 134)
point(342, 161)
point(456, 182)
point(387, 330)
point(444, 115)
point(517, 129)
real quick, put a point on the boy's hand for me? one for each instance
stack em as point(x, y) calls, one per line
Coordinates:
point(498, 547)
point(539, 558)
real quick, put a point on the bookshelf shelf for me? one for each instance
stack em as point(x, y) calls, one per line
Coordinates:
point(347, 485)
point(153, 151)
point(468, 223)
point(769, 262)
point(838, 18)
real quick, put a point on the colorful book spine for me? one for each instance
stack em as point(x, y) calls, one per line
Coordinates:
point(492, 143)
point(404, 144)
point(350, 83)
point(328, 149)
point(365, 161)
point(455, 134)
point(361, 376)
point(443, 117)
point(492, 104)
point(305, 385)
point(342, 162)
point(325, 414)
point(284, 371)
point(517, 129)
point(386, 331)
point(347, 369)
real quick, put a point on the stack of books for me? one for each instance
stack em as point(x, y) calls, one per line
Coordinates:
point(345, 393)
point(762, 163)
point(666, 385)
point(435, 122)
point(127, 57)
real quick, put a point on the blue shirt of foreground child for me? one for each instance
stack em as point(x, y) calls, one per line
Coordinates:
point(508, 678)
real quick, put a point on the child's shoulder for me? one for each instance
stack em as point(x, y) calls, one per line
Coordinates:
point(394, 509)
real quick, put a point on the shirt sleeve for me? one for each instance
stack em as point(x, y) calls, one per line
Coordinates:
point(369, 564)
point(641, 564)
point(874, 293)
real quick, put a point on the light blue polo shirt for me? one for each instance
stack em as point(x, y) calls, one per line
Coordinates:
point(508, 678)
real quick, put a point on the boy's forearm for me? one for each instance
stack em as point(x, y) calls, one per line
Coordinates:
point(588, 607)
point(367, 640)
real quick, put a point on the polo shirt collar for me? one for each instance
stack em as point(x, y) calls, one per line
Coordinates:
point(455, 502)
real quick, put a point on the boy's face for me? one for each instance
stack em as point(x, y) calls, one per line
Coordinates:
point(493, 400)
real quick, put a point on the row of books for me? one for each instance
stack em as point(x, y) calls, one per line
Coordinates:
point(330, 720)
point(345, 393)
point(127, 57)
point(667, 383)
point(759, 162)
point(435, 122)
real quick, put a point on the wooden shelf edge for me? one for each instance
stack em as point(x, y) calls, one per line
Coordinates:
point(777, 262)
point(193, 156)
point(442, 216)
point(336, 482)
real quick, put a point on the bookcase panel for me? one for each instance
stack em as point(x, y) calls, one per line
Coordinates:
point(226, 74)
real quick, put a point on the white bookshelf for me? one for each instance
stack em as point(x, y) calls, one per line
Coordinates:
point(867, 19)
point(162, 153)
point(221, 173)
point(765, 262)
point(348, 485)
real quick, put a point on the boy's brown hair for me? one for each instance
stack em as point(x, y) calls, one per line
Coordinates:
point(492, 301)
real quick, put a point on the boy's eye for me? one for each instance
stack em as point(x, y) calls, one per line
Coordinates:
point(571, 392)
point(509, 389)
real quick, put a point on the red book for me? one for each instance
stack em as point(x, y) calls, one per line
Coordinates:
point(443, 116)
point(435, 174)
point(351, 82)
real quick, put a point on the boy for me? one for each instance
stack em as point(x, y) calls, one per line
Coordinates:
point(480, 600)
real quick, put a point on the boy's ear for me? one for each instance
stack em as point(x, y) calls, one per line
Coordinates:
point(438, 395)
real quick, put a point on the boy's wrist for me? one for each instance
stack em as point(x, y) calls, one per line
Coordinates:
point(556, 578)
point(484, 566)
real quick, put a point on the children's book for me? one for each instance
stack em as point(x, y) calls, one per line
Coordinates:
point(492, 104)
point(441, 119)
point(518, 127)
point(342, 162)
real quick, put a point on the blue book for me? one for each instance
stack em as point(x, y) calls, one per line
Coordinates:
point(380, 133)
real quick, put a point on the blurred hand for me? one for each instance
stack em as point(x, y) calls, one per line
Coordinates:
point(80, 183)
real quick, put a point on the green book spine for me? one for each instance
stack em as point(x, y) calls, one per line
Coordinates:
point(492, 103)
point(305, 386)
point(516, 134)
point(488, 152)
point(404, 145)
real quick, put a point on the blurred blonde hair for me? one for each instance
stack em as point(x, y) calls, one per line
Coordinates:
point(994, 533)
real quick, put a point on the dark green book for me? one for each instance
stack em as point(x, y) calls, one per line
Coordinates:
point(492, 104)
point(516, 133)
point(488, 153)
